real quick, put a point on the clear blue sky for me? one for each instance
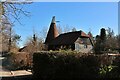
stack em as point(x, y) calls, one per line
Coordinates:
point(84, 16)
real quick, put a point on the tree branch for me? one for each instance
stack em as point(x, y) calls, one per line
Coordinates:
point(11, 10)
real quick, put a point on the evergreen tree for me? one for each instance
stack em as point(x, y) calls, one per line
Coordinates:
point(102, 39)
point(100, 43)
point(103, 34)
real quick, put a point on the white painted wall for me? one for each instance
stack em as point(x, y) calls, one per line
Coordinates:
point(81, 48)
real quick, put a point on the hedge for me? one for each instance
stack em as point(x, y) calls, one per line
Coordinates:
point(61, 65)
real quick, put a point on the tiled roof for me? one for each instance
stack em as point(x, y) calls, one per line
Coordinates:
point(68, 38)
point(53, 32)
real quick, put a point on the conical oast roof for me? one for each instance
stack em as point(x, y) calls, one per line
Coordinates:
point(53, 32)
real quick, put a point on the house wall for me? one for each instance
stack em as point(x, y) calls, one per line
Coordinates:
point(83, 45)
point(63, 47)
point(83, 48)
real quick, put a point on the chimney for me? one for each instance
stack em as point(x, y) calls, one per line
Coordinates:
point(53, 32)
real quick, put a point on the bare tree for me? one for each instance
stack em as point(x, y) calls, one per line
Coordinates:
point(66, 29)
point(59, 29)
point(63, 29)
point(106, 42)
point(5, 35)
point(8, 37)
point(43, 33)
point(111, 42)
point(74, 29)
point(12, 10)
point(34, 44)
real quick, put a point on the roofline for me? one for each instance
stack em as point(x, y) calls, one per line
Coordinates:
point(71, 32)
point(75, 32)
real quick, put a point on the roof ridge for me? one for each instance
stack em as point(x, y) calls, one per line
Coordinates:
point(70, 32)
